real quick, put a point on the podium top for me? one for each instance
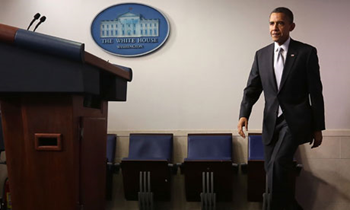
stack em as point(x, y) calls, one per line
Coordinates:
point(59, 47)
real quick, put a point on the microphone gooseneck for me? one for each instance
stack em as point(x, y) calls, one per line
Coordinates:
point(36, 16)
point(42, 19)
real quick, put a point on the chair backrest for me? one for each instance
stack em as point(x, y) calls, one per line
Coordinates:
point(255, 147)
point(151, 147)
point(111, 146)
point(209, 147)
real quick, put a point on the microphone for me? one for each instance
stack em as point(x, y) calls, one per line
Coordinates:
point(35, 18)
point(42, 19)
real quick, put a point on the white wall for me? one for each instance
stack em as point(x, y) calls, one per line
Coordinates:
point(196, 80)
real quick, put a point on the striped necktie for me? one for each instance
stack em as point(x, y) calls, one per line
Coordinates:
point(279, 65)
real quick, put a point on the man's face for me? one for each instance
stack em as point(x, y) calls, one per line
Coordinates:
point(280, 26)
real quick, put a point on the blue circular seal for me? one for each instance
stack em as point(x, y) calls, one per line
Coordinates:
point(130, 29)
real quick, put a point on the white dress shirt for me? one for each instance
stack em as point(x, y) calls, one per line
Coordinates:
point(278, 75)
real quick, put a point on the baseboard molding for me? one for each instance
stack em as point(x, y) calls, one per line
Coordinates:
point(183, 133)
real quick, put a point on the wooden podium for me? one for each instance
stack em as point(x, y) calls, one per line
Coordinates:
point(54, 110)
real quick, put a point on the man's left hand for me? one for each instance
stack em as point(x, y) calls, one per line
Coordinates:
point(317, 140)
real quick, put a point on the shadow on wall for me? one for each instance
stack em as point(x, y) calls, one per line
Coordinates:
point(314, 192)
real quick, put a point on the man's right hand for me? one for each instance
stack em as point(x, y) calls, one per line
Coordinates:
point(243, 122)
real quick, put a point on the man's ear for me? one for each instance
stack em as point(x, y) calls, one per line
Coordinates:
point(292, 26)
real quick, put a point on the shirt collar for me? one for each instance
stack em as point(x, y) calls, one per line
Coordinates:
point(285, 45)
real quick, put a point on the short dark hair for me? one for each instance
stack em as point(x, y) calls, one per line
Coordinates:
point(285, 11)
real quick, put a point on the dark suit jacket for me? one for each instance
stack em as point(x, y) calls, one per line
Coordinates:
point(300, 94)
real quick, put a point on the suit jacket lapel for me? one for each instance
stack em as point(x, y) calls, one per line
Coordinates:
point(291, 56)
point(270, 64)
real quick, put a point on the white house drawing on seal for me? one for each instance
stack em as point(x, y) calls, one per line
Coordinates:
point(129, 25)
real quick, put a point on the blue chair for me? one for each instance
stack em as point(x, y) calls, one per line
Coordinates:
point(112, 167)
point(256, 171)
point(148, 168)
point(209, 169)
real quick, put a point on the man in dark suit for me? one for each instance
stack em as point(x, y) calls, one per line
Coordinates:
point(288, 73)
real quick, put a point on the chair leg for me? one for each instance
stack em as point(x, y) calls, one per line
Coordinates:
point(145, 196)
point(149, 191)
point(208, 191)
point(208, 197)
point(140, 194)
point(211, 192)
point(203, 200)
